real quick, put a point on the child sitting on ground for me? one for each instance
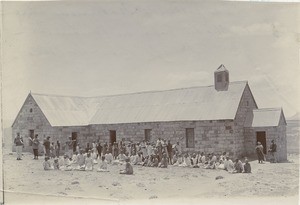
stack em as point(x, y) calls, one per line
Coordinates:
point(102, 165)
point(108, 157)
point(89, 162)
point(247, 166)
point(67, 164)
point(55, 164)
point(128, 168)
point(194, 161)
point(228, 164)
point(80, 161)
point(154, 162)
point(47, 164)
point(238, 166)
point(164, 161)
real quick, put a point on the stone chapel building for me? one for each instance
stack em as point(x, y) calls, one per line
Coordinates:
point(220, 118)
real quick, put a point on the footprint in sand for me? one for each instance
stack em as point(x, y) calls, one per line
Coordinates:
point(62, 193)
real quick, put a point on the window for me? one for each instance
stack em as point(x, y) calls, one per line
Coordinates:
point(190, 137)
point(219, 78)
point(148, 135)
point(30, 110)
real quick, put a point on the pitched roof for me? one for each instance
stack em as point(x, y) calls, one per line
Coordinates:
point(186, 104)
point(267, 117)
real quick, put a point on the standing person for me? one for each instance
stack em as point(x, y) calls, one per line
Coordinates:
point(52, 150)
point(35, 146)
point(170, 151)
point(259, 151)
point(19, 146)
point(272, 150)
point(70, 147)
point(57, 148)
point(104, 149)
point(47, 146)
point(99, 149)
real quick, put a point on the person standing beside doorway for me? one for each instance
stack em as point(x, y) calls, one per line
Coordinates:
point(19, 146)
point(273, 150)
point(259, 151)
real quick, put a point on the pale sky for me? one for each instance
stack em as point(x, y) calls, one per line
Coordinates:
point(103, 48)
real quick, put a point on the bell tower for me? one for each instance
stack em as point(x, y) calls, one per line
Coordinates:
point(221, 78)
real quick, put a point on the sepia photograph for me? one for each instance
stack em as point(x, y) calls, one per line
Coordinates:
point(150, 102)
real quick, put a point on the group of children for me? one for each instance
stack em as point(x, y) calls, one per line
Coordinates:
point(84, 162)
point(88, 160)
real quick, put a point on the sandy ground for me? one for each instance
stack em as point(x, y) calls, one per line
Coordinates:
point(25, 182)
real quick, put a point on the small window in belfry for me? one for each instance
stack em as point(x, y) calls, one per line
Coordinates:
point(30, 110)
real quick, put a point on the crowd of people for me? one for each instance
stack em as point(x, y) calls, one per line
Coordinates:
point(160, 154)
point(156, 154)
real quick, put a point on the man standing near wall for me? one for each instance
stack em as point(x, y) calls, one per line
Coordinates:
point(19, 146)
point(273, 150)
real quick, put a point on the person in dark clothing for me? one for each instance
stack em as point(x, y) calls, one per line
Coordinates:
point(99, 149)
point(170, 151)
point(247, 167)
point(272, 151)
point(128, 168)
point(47, 146)
point(57, 148)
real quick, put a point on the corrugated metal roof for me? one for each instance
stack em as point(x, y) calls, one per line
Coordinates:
point(196, 103)
point(268, 117)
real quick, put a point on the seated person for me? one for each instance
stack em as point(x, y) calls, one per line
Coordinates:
point(164, 161)
point(238, 166)
point(89, 162)
point(247, 166)
point(154, 162)
point(56, 164)
point(108, 157)
point(145, 163)
point(186, 161)
point(47, 164)
point(194, 161)
point(228, 165)
point(67, 164)
point(128, 168)
point(80, 161)
point(102, 165)
point(138, 160)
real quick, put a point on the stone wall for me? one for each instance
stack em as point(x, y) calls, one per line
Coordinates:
point(210, 136)
point(246, 106)
point(31, 117)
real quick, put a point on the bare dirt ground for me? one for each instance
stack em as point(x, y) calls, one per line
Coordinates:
point(25, 182)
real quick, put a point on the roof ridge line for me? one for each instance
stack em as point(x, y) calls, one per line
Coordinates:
point(140, 92)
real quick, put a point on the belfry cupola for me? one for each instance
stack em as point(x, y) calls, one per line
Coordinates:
point(221, 78)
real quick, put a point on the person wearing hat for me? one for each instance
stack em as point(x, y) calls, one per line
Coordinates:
point(272, 150)
point(259, 151)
